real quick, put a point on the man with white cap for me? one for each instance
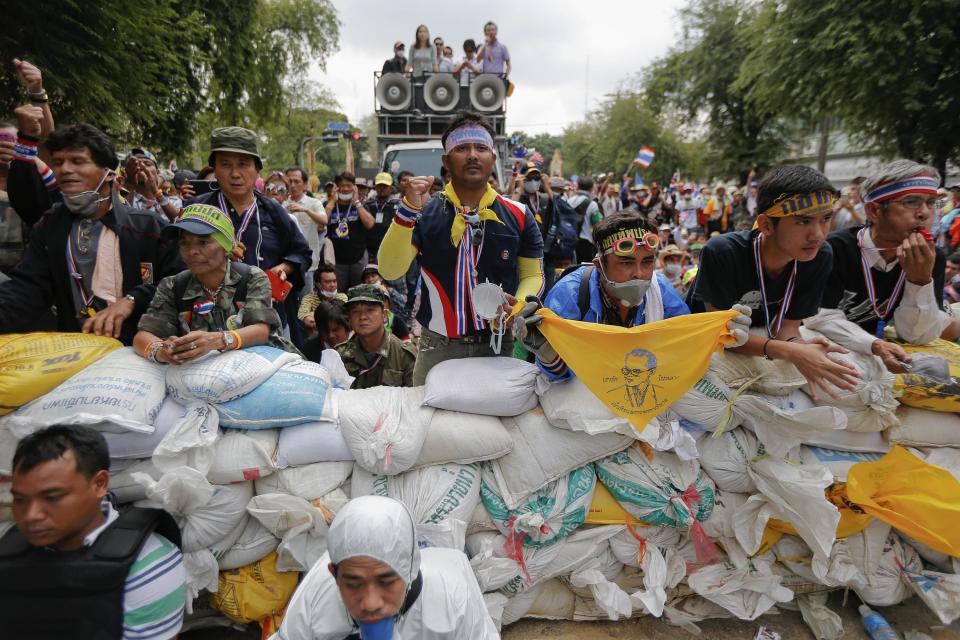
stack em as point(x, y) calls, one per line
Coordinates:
point(374, 583)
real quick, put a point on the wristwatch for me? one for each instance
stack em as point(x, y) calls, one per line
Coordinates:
point(228, 341)
point(131, 299)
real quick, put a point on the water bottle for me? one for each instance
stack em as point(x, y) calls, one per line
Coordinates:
point(876, 625)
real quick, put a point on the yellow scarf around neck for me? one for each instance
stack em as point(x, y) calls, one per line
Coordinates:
point(483, 210)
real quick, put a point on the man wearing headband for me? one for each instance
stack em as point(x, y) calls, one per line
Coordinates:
point(375, 583)
point(778, 269)
point(620, 288)
point(888, 272)
point(466, 235)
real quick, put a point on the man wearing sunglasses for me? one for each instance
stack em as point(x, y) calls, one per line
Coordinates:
point(888, 272)
point(620, 287)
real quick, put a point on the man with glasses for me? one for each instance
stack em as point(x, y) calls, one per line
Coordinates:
point(888, 272)
point(620, 288)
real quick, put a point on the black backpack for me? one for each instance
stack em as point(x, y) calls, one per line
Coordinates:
point(560, 238)
point(583, 293)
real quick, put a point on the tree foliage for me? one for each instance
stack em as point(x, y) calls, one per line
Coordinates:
point(151, 74)
point(698, 83)
point(888, 71)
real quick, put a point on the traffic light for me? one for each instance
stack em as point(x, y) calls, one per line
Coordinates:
point(356, 135)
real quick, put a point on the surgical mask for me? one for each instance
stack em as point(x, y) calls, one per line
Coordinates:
point(328, 294)
point(379, 630)
point(629, 293)
point(345, 197)
point(86, 203)
point(672, 269)
point(531, 186)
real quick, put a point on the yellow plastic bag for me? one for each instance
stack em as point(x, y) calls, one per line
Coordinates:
point(253, 592)
point(851, 521)
point(31, 364)
point(923, 391)
point(604, 509)
point(921, 500)
point(640, 371)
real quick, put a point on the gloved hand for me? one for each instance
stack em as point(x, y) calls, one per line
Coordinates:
point(739, 326)
point(526, 329)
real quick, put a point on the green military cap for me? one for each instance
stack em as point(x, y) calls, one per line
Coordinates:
point(237, 140)
point(366, 293)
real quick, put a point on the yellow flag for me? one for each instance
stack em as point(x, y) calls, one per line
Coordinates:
point(640, 371)
point(922, 500)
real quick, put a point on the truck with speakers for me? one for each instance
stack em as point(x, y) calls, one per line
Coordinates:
point(413, 112)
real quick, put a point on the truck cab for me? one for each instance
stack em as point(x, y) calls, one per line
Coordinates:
point(422, 159)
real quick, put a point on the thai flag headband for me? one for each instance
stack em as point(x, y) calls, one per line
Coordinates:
point(917, 184)
point(468, 134)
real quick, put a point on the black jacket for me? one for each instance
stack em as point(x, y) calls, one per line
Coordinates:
point(29, 197)
point(43, 279)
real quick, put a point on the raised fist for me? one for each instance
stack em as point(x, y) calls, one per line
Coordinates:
point(28, 75)
point(28, 119)
point(417, 191)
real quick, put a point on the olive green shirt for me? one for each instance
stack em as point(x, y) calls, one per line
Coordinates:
point(162, 320)
point(393, 366)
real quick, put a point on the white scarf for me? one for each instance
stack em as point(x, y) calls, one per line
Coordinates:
point(653, 302)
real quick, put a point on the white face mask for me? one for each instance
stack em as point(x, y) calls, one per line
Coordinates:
point(345, 197)
point(672, 269)
point(86, 203)
point(328, 294)
point(531, 186)
point(629, 293)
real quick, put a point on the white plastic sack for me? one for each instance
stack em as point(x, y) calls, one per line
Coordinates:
point(498, 386)
point(821, 620)
point(747, 591)
point(657, 487)
point(125, 488)
point(120, 392)
point(301, 527)
point(721, 523)
point(309, 482)
point(773, 377)
point(221, 377)
point(310, 443)
point(8, 447)
point(385, 427)
point(137, 445)
point(713, 405)
point(190, 441)
point(547, 515)
point(550, 600)
point(239, 456)
point(571, 405)
point(297, 393)
point(542, 454)
point(860, 442)
point(658, 556)
point(838, 462)
point(203, 574)
point(331, 361)
point(441, 499)
point(254, 543)
point(208, 514)
point(923, 428)
point(463, 438)
point(480, 520)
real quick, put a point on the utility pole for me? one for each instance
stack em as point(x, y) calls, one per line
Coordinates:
point(586, 86)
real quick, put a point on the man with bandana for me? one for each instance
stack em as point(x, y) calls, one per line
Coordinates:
point(620, 288)
point(888, 271)
point(778, 270)
point(94, 258)
point(375, 582)
point(465, 235)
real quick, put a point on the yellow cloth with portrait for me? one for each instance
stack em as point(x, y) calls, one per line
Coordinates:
point(483, 210)
point(638, 372)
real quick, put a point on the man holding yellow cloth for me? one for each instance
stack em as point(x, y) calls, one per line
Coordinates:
point(780, 270)
point(465, 235)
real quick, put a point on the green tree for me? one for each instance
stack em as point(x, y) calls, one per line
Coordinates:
point(303, 115)
point(887, 70)
point(697, 84)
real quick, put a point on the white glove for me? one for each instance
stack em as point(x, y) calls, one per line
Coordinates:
point(739, 326)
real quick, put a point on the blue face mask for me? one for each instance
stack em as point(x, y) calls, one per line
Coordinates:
point(380, 630)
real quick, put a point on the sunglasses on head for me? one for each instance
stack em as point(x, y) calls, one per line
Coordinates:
point(626, 246)
point(275, 188)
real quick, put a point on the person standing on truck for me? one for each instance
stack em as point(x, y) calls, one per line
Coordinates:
point(465, 235)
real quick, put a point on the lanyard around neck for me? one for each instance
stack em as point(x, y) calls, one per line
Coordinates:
point(774, 330)
point(871, 287)
point(245, 218)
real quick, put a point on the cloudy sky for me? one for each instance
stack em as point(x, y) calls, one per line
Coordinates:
point(555, 46)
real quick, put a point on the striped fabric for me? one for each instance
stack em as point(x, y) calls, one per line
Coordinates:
point(155, 592)
point(926, 185)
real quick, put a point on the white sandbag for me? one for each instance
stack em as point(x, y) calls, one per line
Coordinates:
point(546, 516)
point(685, 611)
point(838, 462)
point(542, 454)
point(657, 555)
point(670, 432)
point(498, 386)
point(221, 377)
point(657, 487)
point(8, 447)
point(773, 377)
point(190, 441)
point(463, 438)
point(125, 488)
point(254, 543)
point(297, 393)
point(385, 427)
point(331, 361)
point(872, 405)
point(549, 600)
point(136, 445)
point(120, 392)
point(923, 428)
point(571, 405)
point(594, 581)
point(861, 442)
point(824, 623)
point(480, 520)
point(301, 527)
point(747, 590)
point(721, 523)
point(441, 499)
point(208, 514)
point(202, 572)
point(241, 455)
point(939, 591)
point(320, 441)
point(309, 482)
point(714, 406)
point(941, 561)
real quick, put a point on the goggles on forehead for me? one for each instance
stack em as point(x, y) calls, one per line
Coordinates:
point(626, 245)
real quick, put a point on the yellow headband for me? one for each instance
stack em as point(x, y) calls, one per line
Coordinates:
point(804, 204)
